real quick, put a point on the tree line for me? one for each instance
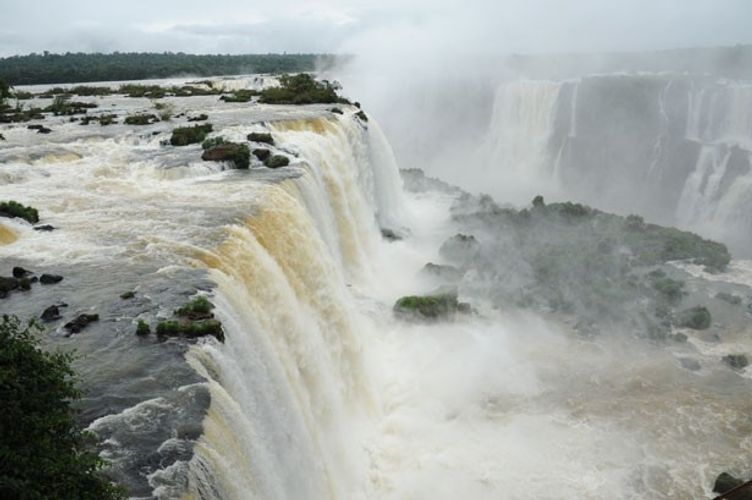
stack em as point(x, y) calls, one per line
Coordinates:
point(80, 67)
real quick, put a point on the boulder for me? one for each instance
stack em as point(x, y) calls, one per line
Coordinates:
point(696, 318)
point(238, 154)
point(277, 161)
point(261, 153)
point(81, 322)
point(50, 279)
point(725, 482)
point(45, 227)
point(52, 313)
point(7, 285)
point(736, 361)
point(20, 272)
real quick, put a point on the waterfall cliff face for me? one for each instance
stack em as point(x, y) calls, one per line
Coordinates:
point(289, 379)
point(674, 149)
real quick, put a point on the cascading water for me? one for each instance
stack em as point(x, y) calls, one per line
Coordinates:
point(674, 149)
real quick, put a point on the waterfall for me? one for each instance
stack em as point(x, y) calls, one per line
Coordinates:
point(290, 378)
point(674, 149)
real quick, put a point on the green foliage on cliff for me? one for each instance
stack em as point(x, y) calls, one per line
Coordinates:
point(14, 209)
point(43, 452)
point(302, 89)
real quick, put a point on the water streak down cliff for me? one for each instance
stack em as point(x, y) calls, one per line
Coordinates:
point(674, 149)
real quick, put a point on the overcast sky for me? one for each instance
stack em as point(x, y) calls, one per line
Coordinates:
point(243, 26)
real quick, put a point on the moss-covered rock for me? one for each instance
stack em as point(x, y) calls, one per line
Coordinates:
point(183, 136)
point(14, 209)
point(238, 154)
point(736, 361)
point(80, 322)
point(141, 119)
point(262, 154)
point(214, 141)
point(191, 329)
point(243, 95)
point(430, 307)
point(142, 328)
point(198, 308)
point(263, 137)
point(277, 161)
point(696, 318)
point(128, 295)
point(198, 118)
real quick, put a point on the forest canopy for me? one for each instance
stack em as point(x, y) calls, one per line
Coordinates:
point(79, 67)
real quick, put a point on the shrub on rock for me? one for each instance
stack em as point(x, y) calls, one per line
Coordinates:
point(277, 161)
point(238, 154)
point(14, 209)
point(183, 136)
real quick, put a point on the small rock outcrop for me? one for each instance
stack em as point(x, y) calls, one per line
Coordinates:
point(238, 154)
point(736, 361)
point(52, 313)
point(80, 322)
point(50, 279)
point(263, 137)
point(277, 161)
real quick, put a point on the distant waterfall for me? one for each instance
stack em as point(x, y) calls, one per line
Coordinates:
point(677, 150)
point(289, 378)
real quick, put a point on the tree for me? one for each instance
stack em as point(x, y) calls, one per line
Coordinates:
point(43, 452)
point(4, 91)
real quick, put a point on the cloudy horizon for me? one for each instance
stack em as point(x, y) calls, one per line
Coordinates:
point(340, 26)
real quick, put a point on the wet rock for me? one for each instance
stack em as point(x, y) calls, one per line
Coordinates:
point(45, 227)
point(128, 295)
point(726, 482)
point(7, 285)
point(337, 111)
point(20, 272)
point(44, 130)
point(277, 161)
point(142, 328)
point(81, 322)
point(730, 298)
point(736, 361)
point(52, 313)
point(50, 279)
point(262, 154)
point(238, 154)
point(2, 137)
point(448, 273)
point(696, 318)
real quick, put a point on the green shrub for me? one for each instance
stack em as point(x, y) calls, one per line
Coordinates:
point(142, 328)
point(261, 137)
point(141, 119)
point(302, 89)
point(430, 306)
point(183, 136)
point(238, 154)
point(362, 116)
point(150, 91)
point(200, 306)
point(44, 453)
point(210, 143)
point(696, 318)
point(669, 289)
point(86, 90)
point(15, 209)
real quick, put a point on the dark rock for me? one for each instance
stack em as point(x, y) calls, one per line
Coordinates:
point(2, 137)
point(52, 313)
point(736, 361)
point(277, 161)
point(50, 279)
point(44, 130)
point(238, 154)
point(128, 295)
point(142, 328)
point(337, 111)
point(362, 116)
point(45, 227)
point(35, 127)
point(731, 298)
point(7, 285)
point(81, 322)
point(262, 154)
point(725, 482)
point(261, 137)
point(20, 272)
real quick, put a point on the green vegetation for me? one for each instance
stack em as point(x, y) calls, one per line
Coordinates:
point(430, 306)
point(141, 119)
point(183, 136)
point(238, 154)
point(15, 209)
point(198, 307)
point(190, 329)
point(671, 290)
point(276, 161)
point(61, 105)
point(44, 453)
point(302, 89)
point(214, 141)
point(696, 318)
point(361, 115)
point(79, 67)
point(105, 119)
point(264, 137)
point(736, 361)
point(142, 328)
point(243, 95)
